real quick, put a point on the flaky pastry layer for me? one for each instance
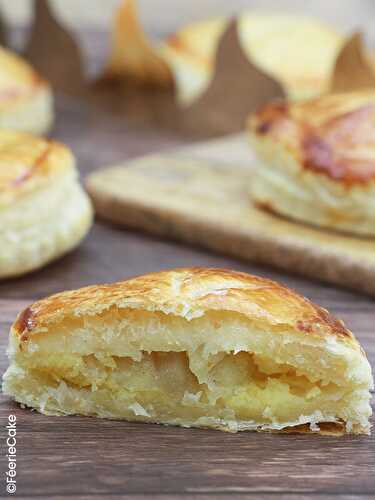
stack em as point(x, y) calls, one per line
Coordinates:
point(43, 227)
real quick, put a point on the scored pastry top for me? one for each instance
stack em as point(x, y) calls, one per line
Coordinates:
point(190, 293)
point(28, 162)
point(333, 135)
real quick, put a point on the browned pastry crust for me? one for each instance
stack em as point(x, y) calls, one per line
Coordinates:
point(324, 136)
point(257, 298)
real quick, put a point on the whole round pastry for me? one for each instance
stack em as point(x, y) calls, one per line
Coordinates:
point(317, 161)
point(44, 212)
point(26, 101)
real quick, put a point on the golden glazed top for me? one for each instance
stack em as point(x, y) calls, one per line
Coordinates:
point(28, 162)
point(190, 293)
point(333, 135)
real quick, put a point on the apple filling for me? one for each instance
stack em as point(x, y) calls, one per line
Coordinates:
point(246, 389)
point(215, 370)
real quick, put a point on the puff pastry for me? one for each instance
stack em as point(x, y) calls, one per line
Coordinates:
point(316, 161)
point(192, 347)
point(26, 101)
point(43, 210)
point(299, 52)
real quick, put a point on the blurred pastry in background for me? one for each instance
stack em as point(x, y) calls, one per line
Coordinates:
point(299, 52)
point(317, 161)
point(44, 212)
point(26, 101)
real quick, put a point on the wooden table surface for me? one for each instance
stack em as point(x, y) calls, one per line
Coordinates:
point(85, 458)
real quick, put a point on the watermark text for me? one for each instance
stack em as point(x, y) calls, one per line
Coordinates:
point(11, 443)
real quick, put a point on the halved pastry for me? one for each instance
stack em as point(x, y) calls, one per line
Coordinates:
point(44, 212)
point(26, 101)
point(317, 161)
point(192, 347)
point(299, 52)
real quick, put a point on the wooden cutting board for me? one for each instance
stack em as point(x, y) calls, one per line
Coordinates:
point(199, 195)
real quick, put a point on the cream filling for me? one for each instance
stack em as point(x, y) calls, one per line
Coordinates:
point(241, 391)
point(214, 369)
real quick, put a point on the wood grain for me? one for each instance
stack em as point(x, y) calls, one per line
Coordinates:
point(87, 458)
point(185, 196)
